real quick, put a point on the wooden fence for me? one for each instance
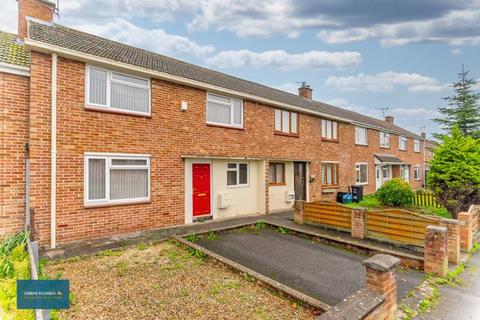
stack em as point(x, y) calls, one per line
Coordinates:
point(329, 213)
point(397, 225)
point(426, 199)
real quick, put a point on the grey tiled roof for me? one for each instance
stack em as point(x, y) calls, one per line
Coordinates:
point(82, 42)
point(12, 52)
point(388, 158)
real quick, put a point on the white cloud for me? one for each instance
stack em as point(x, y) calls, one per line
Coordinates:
point(151, 39)
point(8, 17)
point(384, 82)
point(416, 112)
point(284, 60)
point(456, 51)
point(455, 28)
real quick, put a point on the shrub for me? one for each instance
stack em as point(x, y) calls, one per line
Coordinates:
point(395, 192)
point(454, 174)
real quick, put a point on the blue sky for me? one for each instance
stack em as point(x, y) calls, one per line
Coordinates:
point(358, 54)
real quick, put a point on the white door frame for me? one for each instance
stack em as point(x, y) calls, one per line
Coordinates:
point(189, 188)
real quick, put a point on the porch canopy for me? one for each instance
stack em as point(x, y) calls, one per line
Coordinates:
point(387, 159)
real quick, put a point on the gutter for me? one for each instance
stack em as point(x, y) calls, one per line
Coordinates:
point(53, 177)
point(14, 69)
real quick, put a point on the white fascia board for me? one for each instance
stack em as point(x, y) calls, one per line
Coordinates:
point(14, 69)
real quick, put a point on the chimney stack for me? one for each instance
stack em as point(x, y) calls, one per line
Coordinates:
point(389, 119)
point(305, 91)
point(36, 9)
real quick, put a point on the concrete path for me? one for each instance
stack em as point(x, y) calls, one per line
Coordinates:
point(460, 302)
point(324, 272)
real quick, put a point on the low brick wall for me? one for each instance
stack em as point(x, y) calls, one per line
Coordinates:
point(378, 300)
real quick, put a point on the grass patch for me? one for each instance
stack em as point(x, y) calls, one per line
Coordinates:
point(141, 246)
point(193, 237)
point(283, 230)
point(212, 235)
point(121, 268)
point(369, 201)
point(109, 253)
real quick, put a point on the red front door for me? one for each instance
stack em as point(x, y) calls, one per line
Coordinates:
point(201, 189)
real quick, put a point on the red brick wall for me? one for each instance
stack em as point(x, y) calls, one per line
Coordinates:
point(14, 102)
point(38, 9)
point(166, 136)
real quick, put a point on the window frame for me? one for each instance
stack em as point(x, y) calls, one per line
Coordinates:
point(232, 111)
point(384, 134)
point(107, 106)
point(108, 157)
point(280, 132)
point(416, 170)
point(323, 123)
point(237, 170)
point(400, 139)
point(284, 176)
point(357, 169)
point(356, 137)
point(416, 143)
point(332, 163)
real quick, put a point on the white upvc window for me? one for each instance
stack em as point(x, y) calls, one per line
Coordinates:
point(416, 172)
point(116, 178)
point(224, 111)
point(416, 145)
point(361, 136)
point(329, 130)
point(286, 122)
point(361, 173)
point(384, 139)
point(402, 143)
point(237, 174)
point(117, 92)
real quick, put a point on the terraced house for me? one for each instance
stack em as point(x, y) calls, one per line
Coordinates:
point(100, 138)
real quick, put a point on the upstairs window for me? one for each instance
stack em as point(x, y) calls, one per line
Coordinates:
point(361, 173)
point(329, 130)
point(224, 111)
point(286, 122)
point(276, 173)
point(402, 143)
point(329, 174)
point(416, 145)
point(384, 140)
point(361, 136)
point(109, 90)
point(111, 179)
point(237, 174)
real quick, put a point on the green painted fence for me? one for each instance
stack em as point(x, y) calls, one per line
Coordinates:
point(426, 199)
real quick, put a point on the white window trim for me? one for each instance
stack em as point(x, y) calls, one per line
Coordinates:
point(387, 145)
point(416, 142)
point(400, 138)
point(231, 125)
point(417, 167)
point(366, 136)
point(357, 164)
point(237, 170)
point(107, 107)
point(108, 158)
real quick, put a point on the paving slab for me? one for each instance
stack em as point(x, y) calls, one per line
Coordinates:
point(327, 273)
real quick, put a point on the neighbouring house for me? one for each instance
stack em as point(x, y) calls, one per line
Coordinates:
point(429, 152)
point(100, 138)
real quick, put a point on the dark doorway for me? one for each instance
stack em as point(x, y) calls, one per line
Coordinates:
point(300, 180)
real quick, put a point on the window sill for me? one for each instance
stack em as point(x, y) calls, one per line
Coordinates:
point(384, 147)
point(293, 135)
point(361, 145)
point(330, 189)
point(330, 140)
point(225, 126)
point(115, 204)
point(361, 183)
point(404, 150)
point(277, 184)
point(117, 111)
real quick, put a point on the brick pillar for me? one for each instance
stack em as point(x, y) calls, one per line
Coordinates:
point(453, 236)
point(267, 186)
point(436, 251)
point(358, 223)
point(299, 210)
point(381, 278)
point(466, 234)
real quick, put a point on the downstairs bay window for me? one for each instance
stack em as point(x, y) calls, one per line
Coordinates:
point(116, 179)
point(361, 173)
